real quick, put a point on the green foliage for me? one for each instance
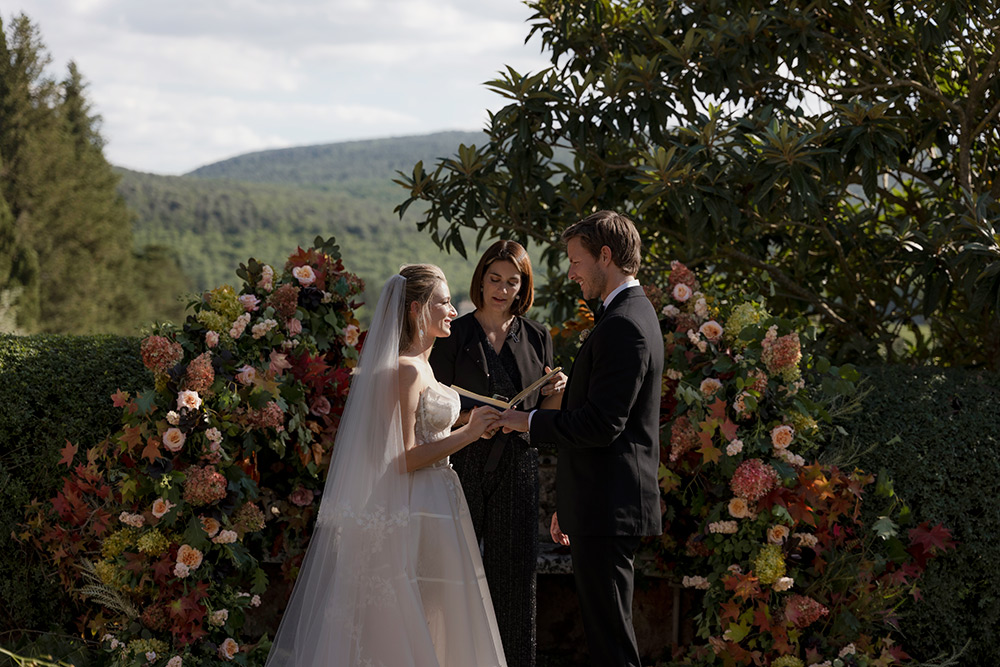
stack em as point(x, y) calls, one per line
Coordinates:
point(264, 203)
point(845, 150)
point(935, 433)
point(53, 389)
point(66, 260)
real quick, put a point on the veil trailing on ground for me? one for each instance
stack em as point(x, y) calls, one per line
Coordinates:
point(354, 602)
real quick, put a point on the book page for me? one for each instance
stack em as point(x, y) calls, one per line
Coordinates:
point(506, 405)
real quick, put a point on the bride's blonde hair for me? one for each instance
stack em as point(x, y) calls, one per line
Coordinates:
point(421, 279)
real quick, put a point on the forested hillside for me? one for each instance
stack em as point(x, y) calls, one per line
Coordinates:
point(265, 204)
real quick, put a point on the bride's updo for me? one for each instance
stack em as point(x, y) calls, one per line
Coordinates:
point(421, 279)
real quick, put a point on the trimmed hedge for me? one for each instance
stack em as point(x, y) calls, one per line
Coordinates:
point(52, 389)
point(945, 465)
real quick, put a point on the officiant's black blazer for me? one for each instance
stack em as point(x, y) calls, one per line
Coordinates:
point(607, 431)
point(460, 358)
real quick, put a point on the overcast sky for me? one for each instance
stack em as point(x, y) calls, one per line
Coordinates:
point(183, 83)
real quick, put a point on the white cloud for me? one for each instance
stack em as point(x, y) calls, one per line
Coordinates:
point(182, 83)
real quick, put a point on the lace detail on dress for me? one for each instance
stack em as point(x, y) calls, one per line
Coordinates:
point(376, 523)
point(437, 409)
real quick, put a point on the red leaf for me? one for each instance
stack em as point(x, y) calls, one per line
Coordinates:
point(932, 539)
point(728, 429)
point(120, 398)
point(68, 452)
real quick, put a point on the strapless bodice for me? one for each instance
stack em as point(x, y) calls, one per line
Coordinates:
point(437, 409)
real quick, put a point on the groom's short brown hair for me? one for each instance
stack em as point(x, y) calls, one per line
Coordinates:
point(608, 228)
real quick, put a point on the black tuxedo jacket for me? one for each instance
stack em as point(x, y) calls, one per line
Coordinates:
point(607, 431)
point(460, 358)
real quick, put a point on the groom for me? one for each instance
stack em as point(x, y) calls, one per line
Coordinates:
point(607, 433)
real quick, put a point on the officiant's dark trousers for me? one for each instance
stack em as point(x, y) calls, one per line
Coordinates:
point(604, 574)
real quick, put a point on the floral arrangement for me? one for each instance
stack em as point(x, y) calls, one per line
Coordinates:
point(790, 574)
point(773, 544)
point(168, 524)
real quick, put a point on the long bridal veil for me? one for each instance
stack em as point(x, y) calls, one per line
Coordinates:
point(353, 602)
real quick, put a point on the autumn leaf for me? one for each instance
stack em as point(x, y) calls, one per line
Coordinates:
point(152, 450)
point(120, 398)
point(718, 409)
point(932, 539)
point(728, 429)
point(68, 452)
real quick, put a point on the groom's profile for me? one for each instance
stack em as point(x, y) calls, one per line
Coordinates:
point(607, 434)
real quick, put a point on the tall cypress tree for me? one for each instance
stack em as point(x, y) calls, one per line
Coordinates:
point(68, 236)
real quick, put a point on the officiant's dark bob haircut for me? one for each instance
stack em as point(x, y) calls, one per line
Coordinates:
point(608, 228)
point(506, 251)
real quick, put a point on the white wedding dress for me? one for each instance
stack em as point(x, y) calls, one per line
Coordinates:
point(392, 576)
point(449, 572)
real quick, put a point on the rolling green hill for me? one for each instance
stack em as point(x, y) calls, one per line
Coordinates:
point(265, 204)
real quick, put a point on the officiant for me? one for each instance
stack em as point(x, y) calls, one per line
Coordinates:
point(495, 351)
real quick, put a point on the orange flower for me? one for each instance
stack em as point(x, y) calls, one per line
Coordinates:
point(188, 555)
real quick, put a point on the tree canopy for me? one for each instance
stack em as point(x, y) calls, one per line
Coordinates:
point(846, 153)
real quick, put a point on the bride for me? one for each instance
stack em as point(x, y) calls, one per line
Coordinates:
point(393, 576)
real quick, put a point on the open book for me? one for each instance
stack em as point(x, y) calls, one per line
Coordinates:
point(506, 405)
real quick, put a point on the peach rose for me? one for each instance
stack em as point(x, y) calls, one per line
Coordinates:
point(225, 537)
point(189, 556)
point(209, 525)
point(711, 330)
point(709, 386)
point(681, 292)
point(181, 570)
point(781, 436)
point(219, 617)
point(173, 439)
point(739, 508)
point(211, 340)
point(294, 326)
point(304, 274)
point(777, 534)
point(783, 584)
point(161, 507)
point(188, 399)
point(351, 335)
point(228, 649)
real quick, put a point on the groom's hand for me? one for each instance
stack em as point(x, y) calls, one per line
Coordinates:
point(513, 420)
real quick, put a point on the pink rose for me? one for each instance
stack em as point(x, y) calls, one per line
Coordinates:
point(302, 497)
point(681, 292)
point(250, 302)
point(711, 330)
point(246, 375)
point(294, 326)
point(211, 340)
point(320, 406)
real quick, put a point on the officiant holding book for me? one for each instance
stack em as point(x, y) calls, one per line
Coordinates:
point(495, 351)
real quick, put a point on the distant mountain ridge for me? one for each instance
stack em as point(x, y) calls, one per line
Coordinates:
point(328, 165)
point(265, 204)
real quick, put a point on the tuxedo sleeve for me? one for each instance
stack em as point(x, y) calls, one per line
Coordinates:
point(619, 362)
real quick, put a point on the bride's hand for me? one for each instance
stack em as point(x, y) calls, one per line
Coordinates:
point(481, 420)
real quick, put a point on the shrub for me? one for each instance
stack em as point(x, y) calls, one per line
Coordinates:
point(53, 389)
point(936, 433)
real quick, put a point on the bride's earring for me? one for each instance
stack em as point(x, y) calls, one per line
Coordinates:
point(421, 332)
